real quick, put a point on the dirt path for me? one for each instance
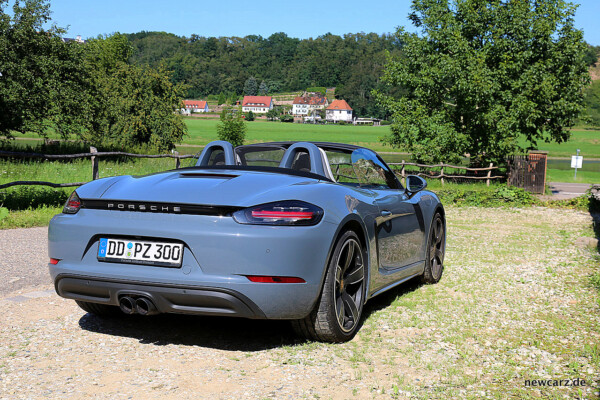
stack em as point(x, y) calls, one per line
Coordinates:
point(515, 303)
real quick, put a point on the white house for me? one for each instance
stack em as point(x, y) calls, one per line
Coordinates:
point(304, 106)
point(257, 104)
point(338, 111)
point(191, 106)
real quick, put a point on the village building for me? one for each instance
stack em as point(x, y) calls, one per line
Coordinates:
point(257, 104)
point(338, 111)
point(304, 106)
point(192, 106)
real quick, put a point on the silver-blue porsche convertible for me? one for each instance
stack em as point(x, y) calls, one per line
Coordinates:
point(304, 231)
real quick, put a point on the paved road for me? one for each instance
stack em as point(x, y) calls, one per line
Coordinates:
point(23, 259)
point(564, 191)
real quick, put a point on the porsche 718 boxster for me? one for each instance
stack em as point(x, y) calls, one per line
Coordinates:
point(304, 231)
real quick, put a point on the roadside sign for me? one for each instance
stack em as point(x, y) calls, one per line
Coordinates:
point(576, 162)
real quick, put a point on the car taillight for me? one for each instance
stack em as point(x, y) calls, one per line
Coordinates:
point(289, 212)
point(73, 204)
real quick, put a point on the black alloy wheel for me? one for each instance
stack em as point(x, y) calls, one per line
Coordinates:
point(436, 247)
point(349, 282)
point(336, 316)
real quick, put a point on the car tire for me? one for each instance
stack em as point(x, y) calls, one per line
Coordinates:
point(101, 310)
point(336, 316)
point(436, 247)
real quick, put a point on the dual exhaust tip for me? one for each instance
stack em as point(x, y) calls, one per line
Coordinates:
point(140, 305)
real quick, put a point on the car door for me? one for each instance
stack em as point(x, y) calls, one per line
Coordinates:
point(399, 226)
point(399, 229)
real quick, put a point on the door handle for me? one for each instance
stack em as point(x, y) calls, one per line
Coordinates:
point(386, 213)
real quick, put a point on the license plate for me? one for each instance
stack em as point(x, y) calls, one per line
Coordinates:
point(140, 252)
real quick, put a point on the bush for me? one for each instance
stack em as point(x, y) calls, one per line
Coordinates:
point(232, 127)
point(483, 196)
point(250, 116)
point(286, 118)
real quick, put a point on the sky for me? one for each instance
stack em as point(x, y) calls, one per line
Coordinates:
point(298, 19)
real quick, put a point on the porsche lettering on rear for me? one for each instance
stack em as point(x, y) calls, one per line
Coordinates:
point(142, 207)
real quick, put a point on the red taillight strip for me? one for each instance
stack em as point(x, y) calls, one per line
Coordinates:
point(54, 261)
point(274, 279)
point(283, 214)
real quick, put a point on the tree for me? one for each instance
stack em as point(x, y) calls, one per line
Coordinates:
point(137, 106)
point(263, 89)
point(250, 116)
point(43, 80)
point(231, 127)
point(130, 105)
point(222, 99)
point(250, 87)
point(483, 74)
point(591, 55)
point(274, 113)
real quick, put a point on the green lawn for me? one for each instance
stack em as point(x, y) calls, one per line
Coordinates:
point(583, 176)
point(202, 131)
point(588, 141)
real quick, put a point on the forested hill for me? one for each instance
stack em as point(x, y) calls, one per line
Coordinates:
point(209, 65)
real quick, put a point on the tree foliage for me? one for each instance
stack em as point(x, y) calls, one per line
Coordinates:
point(130, 105)
point(481, 74)
point(42, 80)
point(87, 90)
point(263, 88)
point(251, 87)
point(231, 127)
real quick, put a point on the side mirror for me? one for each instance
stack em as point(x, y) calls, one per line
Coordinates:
point(415, 184)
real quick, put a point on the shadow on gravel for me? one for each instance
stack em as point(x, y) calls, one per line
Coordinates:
point(235, 334)
point(223, 333)
point(386, 299)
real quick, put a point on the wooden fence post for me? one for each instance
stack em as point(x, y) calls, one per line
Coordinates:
point(95, 174)
point(487, 181)
point(177, 160)
point(402, 174)
point(442, 173)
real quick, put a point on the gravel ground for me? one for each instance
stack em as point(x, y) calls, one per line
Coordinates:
point(23, 259)
point(515, 303)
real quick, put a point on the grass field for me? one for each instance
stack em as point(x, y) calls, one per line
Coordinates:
point(588, 141)
point(205, 130)
point(202, 131)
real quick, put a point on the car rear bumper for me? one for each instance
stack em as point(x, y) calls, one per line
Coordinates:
point(218, 253)
point(167, 299)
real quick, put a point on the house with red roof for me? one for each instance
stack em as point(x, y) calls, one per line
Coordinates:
point(192, 106)
point(257, 104)
point(338, 111)
point(304, 106)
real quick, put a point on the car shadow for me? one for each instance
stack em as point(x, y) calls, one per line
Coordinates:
point(223, 333)
point(386, 299)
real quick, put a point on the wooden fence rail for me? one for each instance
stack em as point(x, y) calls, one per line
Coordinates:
point(442, 175)
point(94, 155)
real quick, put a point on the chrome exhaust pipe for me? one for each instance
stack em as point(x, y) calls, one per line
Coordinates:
point(127, 305)
point(145, 306)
